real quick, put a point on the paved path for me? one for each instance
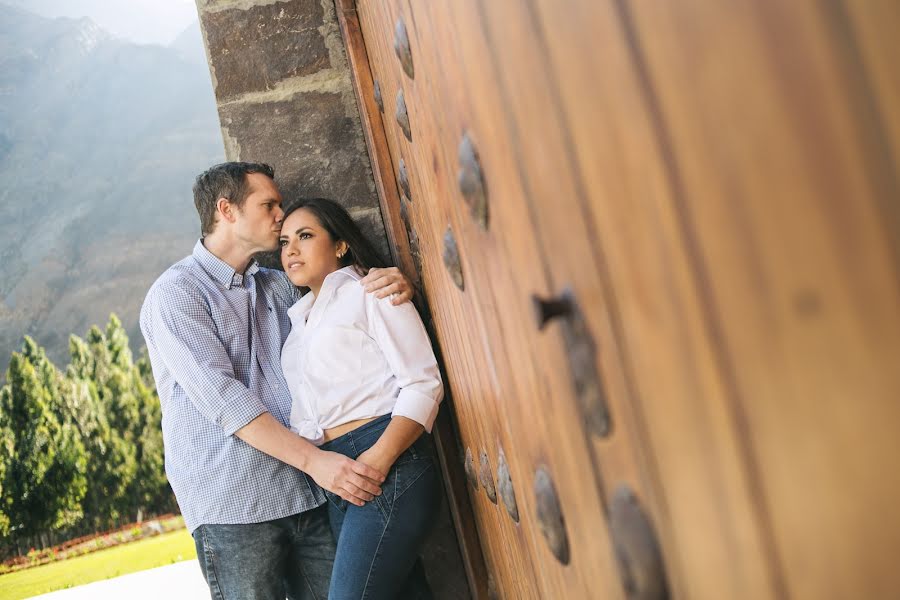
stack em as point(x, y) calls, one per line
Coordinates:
point(181, 581)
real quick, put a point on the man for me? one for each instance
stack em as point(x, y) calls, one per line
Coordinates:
point(214, 324)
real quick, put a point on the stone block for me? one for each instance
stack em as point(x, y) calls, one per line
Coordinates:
point(315, 147)
point(252, 49)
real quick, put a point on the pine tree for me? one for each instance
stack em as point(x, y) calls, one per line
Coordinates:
point(155, 492)
point(7, 451)
point(45, 481)
point(113, 459)
point(135, 480)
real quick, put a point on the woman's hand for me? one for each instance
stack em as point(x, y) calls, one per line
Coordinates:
point(388, 281)
point(376, 458)
point(400, 434)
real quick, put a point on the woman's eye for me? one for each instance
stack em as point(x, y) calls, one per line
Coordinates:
point(305, 236)
point(282, 243)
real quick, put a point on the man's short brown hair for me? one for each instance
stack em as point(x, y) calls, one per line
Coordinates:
point(227, 180)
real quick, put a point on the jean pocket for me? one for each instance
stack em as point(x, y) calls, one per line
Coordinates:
point(421, 449)
point(410, 472)
point(338, 502)
point(363, 438)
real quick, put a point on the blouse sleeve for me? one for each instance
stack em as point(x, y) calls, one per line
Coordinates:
point(400, 334)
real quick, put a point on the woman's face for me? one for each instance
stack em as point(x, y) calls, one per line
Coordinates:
point(308, 254)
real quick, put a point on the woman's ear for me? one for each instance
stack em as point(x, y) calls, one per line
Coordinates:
point(341, 249)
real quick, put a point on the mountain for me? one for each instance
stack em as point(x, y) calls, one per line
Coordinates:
point(100, 140)
point(139, 21)
point(189, 44)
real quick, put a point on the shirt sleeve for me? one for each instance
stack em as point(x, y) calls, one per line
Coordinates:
point(186, 340)
point(400, 334)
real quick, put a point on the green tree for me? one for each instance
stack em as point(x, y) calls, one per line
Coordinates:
point(151, 489)
point(126, 425)
point(113, 462)
point(44, 482)
point(7, 449)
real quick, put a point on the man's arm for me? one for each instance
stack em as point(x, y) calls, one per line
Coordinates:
point(386, 281)
point(185, 336)
point(351, 480)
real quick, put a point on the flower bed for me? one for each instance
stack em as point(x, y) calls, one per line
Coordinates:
point(93, 542)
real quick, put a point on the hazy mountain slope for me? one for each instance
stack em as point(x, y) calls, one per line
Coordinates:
point(99, 142)
point(140, 21)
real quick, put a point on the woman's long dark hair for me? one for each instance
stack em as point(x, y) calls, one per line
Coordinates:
point(335, 219)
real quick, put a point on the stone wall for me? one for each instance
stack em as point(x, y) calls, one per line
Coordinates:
point(284, 95)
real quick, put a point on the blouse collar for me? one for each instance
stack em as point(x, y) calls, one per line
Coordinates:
point(301, 311)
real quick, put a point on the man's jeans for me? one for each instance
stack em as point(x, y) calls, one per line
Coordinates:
point(378, 544)
point(290, 557)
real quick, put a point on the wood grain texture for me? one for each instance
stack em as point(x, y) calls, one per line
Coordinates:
point(716, 184)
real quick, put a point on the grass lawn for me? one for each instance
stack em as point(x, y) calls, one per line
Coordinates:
point(152, 552)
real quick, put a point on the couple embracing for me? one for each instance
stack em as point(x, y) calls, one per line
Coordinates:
point(295, 405)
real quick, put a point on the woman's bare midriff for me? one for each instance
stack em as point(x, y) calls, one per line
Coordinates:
point(336, 432)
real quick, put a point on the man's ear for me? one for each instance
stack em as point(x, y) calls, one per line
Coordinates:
point(225, 210)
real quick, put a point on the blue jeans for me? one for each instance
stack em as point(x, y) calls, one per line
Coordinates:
point(290, 557)
point(378, 544)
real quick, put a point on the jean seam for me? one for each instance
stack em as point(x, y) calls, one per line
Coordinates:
point(302, 522)
point(379, 500)
point(411, 483)
point(212, 577)
point(336, 503)
point(309, 585)
point(387, 524)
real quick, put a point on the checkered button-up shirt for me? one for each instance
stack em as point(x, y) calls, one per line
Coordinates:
point(214, 338)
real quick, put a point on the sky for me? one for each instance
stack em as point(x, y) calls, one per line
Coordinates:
point(141, 21)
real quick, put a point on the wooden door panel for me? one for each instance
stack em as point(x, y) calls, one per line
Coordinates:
point(709, 526)
point(800, 286)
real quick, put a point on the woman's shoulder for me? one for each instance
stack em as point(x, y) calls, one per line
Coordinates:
point(346, 280)
point(347, 292)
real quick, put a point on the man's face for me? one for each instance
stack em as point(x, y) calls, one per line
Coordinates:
point(258, 221)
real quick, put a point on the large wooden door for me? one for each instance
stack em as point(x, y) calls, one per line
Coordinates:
point(660, 245)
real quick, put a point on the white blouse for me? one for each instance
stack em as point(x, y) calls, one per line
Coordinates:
point(352, 356)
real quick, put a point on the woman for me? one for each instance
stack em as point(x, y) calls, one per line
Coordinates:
point(364, 383)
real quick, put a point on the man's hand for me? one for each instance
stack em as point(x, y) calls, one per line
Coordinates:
point(353, 481)
point(388, 281)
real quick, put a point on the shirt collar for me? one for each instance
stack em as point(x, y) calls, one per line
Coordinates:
point(304, 305)
point(219, 270)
